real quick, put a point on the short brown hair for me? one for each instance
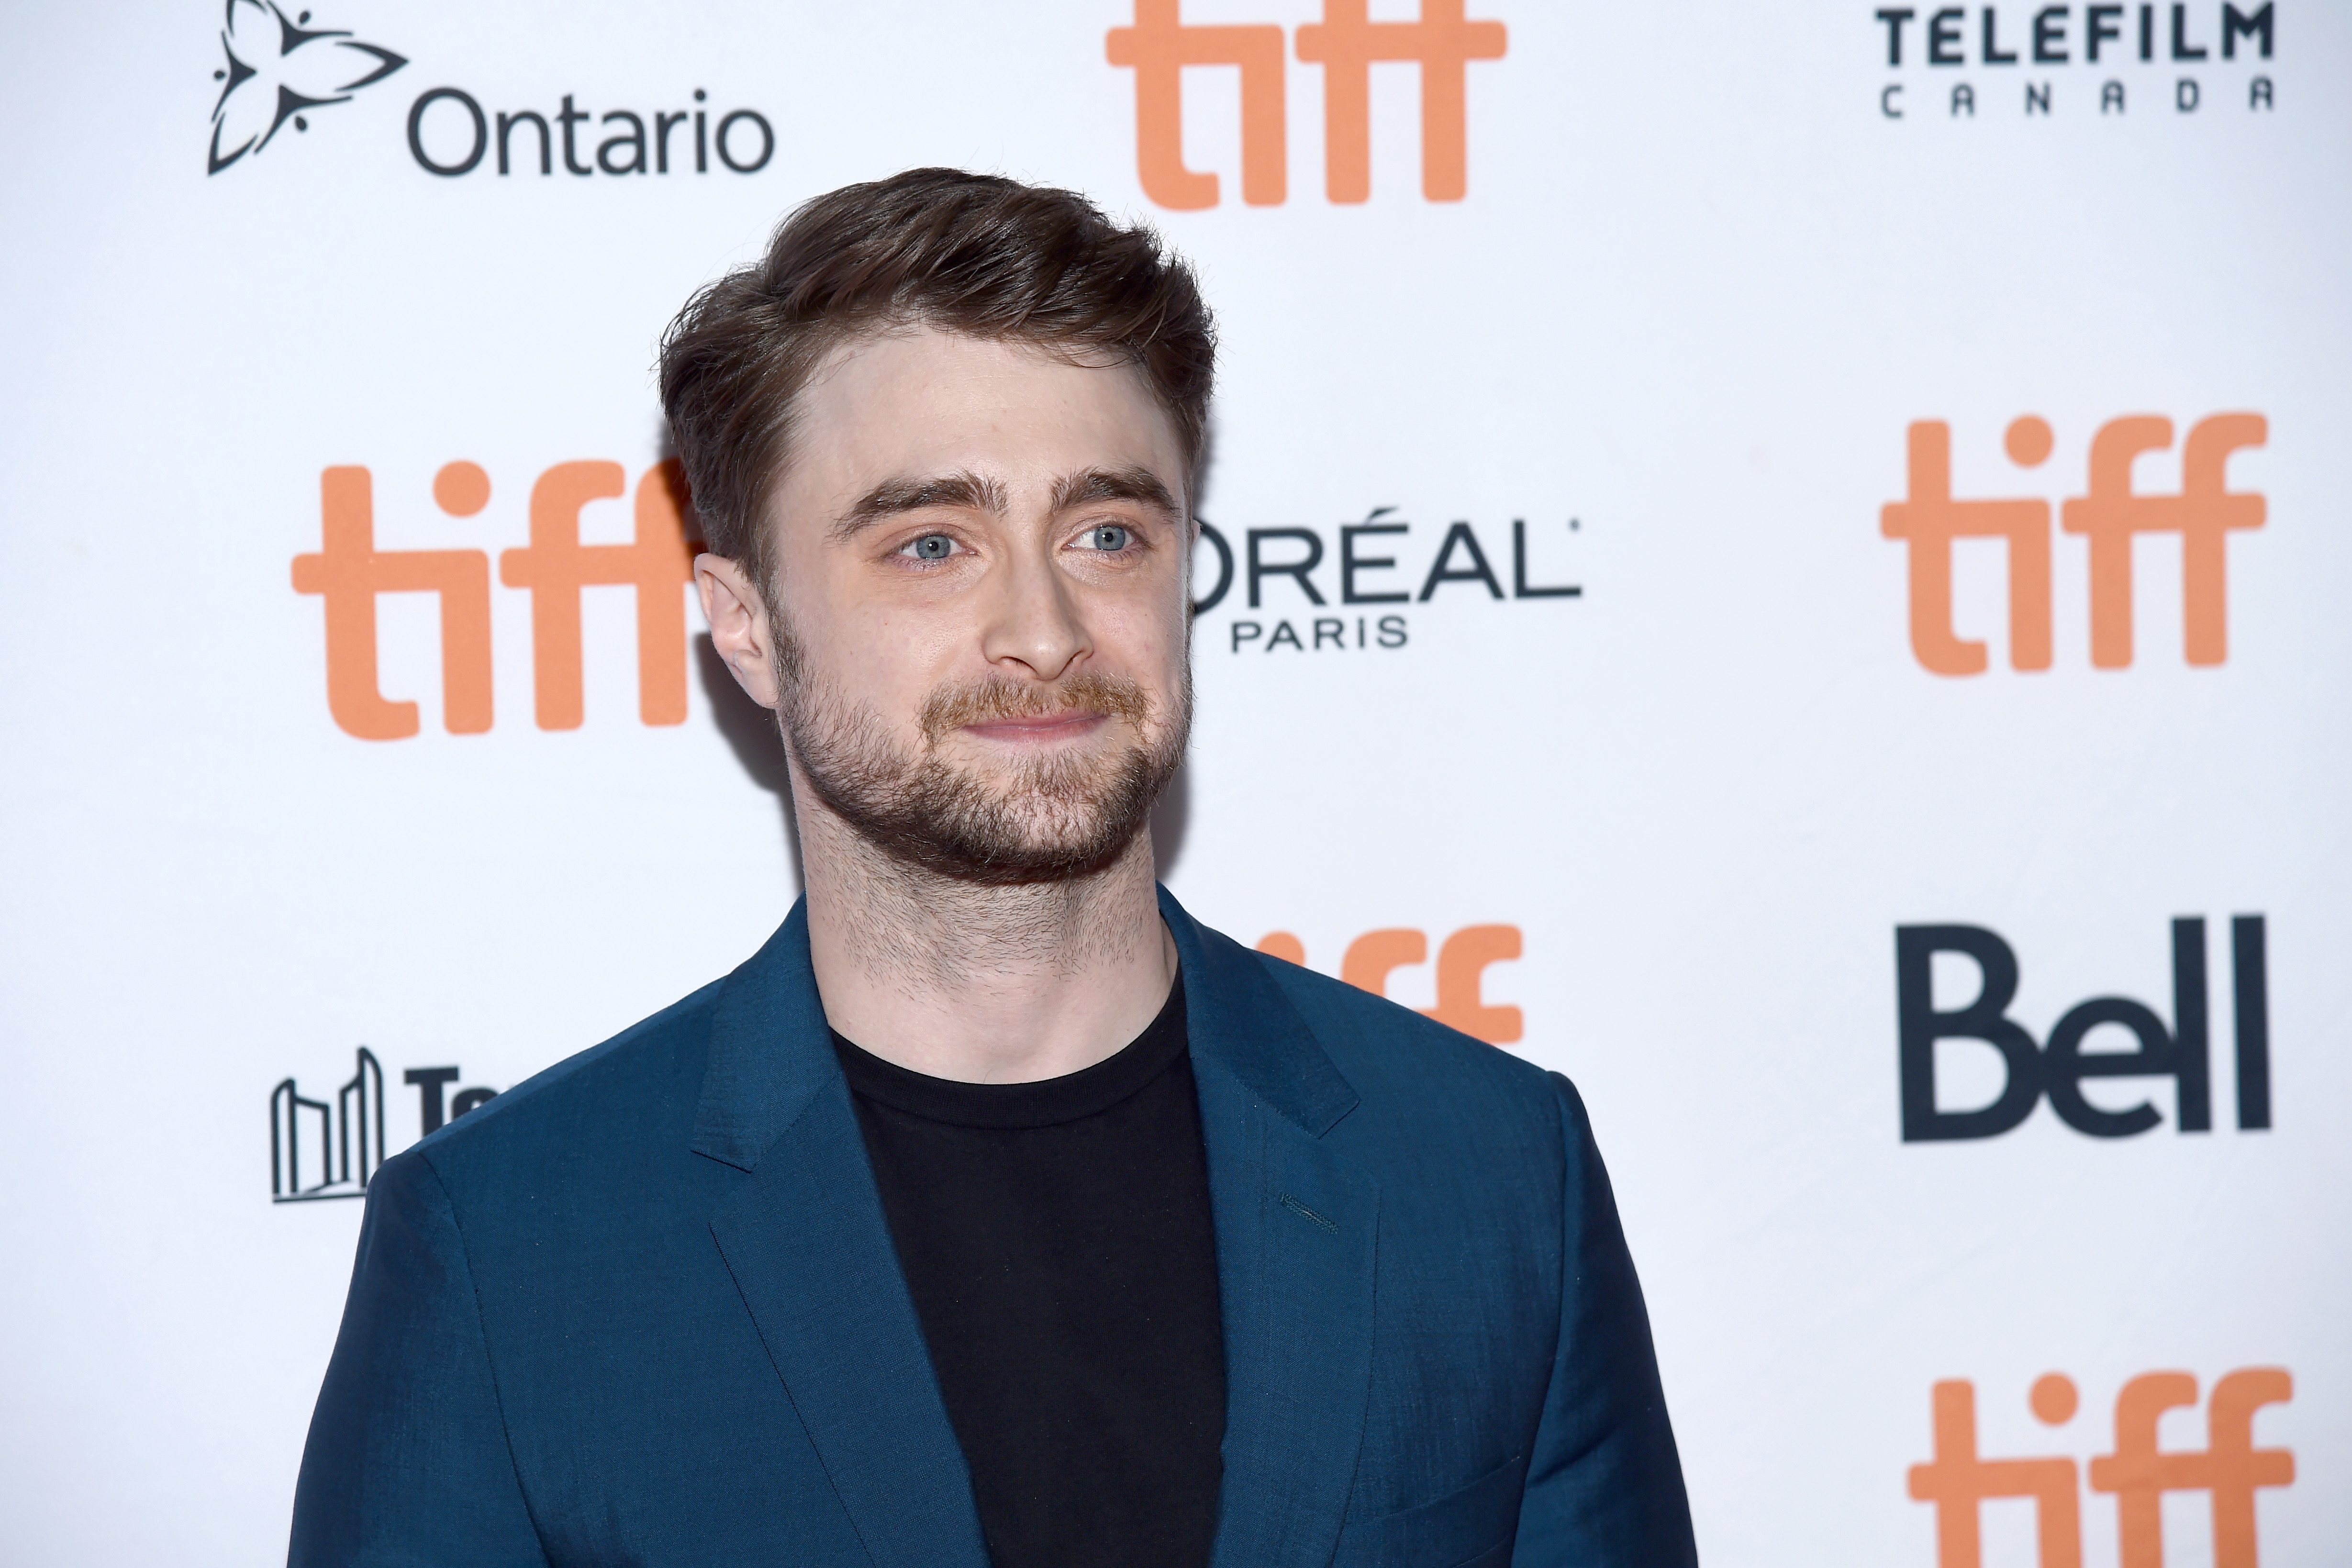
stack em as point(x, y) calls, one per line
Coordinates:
point(974, 253)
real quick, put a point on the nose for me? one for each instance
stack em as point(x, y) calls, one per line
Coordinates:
point(1033, 623)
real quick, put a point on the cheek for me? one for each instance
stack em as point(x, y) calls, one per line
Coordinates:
point(839, 645)
point(891, 659)
point(1147, 642)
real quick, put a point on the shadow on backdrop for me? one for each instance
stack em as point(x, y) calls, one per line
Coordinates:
point(751, 733)
point(1168, 821)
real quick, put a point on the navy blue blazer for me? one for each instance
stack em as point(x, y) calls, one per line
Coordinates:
point(644, 1308)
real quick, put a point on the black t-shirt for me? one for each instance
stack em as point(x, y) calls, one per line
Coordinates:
point(1058, 1240)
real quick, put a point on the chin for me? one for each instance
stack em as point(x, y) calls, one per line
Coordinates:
point(1020, 839)
point(992, 814)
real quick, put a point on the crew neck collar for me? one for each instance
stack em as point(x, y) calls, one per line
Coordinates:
point(1045, 1102)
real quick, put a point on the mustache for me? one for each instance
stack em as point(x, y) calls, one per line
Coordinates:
point(1003, 697)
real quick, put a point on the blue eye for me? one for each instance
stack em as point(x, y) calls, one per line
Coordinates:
point(932, 547)
point(1108, 537)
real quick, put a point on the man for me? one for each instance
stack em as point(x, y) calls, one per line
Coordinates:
point(995, 1211)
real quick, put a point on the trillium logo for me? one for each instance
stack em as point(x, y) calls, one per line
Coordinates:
point(276, 68)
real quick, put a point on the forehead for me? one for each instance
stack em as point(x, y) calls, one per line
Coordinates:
point(921, 401)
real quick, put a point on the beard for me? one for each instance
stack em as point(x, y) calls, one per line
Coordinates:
point(1054, 818)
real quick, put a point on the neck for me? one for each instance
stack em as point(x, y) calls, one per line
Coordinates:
point(975, 983)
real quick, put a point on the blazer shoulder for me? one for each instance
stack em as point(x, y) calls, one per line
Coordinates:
point(642, 1072)
point(1460, 1125)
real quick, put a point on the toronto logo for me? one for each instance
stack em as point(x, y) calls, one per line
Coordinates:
point(323, 1150)
point(277, 68)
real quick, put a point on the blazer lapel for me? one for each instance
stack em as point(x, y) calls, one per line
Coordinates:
point(1296, 1226)
point(810, 1250)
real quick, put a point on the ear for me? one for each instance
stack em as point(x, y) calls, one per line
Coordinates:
point(739, 628)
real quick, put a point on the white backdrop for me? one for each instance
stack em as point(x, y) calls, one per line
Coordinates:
point(1700, 286)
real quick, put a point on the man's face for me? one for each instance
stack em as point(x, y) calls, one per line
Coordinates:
point(979, 624)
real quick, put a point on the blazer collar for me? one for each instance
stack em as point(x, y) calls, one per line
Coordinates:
point(1243, 1023)
point(1240, 1020)
point(771, 1048)
point(1297, 1224)
point(805, 1238)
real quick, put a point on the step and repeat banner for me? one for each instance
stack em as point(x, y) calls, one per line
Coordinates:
point(1787, 561)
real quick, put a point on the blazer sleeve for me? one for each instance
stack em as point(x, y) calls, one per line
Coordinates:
point(1604, 1483)
point(407, 1462)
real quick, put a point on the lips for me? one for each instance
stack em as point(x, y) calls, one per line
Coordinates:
point(1051, 727)
point(1006, 709)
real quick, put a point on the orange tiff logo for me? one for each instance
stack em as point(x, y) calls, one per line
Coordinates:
point(1461, 969)
point(2137, 1473)
point(1345, 44)
point(348, 571)
point(2110, 515)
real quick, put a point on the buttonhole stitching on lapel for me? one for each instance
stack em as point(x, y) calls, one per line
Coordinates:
point(1298, 1207)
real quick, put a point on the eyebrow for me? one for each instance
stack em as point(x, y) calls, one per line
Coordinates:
point(893, 496)
point(1128, 484)
point(972, 492)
